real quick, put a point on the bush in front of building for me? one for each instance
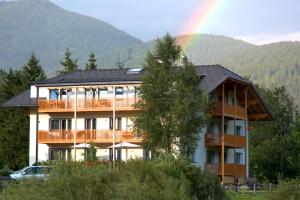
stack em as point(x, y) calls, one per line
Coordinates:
point(162, 178)
point(286, 189)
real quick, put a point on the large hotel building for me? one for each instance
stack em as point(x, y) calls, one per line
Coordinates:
point(70, 111)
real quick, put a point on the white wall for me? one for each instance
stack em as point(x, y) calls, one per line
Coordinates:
point(43, 152)
point(32, 138)
point(43, 92)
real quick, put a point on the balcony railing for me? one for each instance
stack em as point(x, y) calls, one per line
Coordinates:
point(85, 136)
point(229, 169)
point(86, 105)
point(229, 110)
point(229, 140)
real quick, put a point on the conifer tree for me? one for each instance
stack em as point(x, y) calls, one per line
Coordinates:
point(69, 65)
point(91, 65)
point(32, 70)
point(172, 105)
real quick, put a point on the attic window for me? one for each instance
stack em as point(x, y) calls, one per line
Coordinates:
point(134, 70)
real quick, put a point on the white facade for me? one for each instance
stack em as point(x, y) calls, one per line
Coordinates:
point(202, 155)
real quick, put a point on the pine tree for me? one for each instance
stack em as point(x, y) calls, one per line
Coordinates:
point(171, 101)
point(68, 64)
point(32, 70)
point(91, 65)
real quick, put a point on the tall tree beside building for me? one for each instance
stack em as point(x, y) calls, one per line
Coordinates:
point(274, 145)
point(14, 123)
point(32, 70)
point(91, 64)
point(69, 65)
point(172, 105)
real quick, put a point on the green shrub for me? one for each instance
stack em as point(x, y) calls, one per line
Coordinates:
point(288, 189)
point(5, 171)
point(163, 179)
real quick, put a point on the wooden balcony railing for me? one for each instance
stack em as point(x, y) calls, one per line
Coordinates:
point(229, 110)
point(85, 136)
point(229, 140)
point(86, 105)
point(229, 169)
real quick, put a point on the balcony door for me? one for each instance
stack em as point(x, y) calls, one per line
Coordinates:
point(118, 122)
point(90, 127)
point(60, 124)
point(90, 124)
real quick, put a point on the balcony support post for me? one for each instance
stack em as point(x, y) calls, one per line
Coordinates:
point(114, 122)
point(223, 148)
point(246, 133)
point(37, 126)
point(234, 129)
point(75, 124)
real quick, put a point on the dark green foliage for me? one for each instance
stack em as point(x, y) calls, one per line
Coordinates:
point(5, 171)
point(91, 152)
point(274, 145)
point(14, 123)
point(91, 64)
point(171, 101)
point(68, 64)
point(288, 189)
point(32, 70)
point(164, 179)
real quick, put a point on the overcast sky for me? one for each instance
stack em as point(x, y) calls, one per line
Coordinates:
point(256, 21)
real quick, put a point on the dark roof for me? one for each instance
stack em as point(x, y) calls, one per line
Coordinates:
point(212, 77)
point(21, 100)
point(93, 76)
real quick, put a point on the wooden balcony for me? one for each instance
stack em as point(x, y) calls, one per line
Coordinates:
point(229, 140)
point(229, 110)
point(86, 136)
point(229, 169)
point(84, 105)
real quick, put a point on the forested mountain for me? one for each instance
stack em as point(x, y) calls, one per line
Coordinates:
point(41, 27)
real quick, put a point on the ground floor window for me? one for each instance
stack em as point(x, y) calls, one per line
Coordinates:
point(59, 154)
point(118, 154)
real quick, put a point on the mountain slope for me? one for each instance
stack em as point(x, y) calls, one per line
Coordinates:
point(40, 26)
point(269, 65)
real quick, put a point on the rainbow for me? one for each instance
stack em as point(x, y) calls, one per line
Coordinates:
point(200, 20)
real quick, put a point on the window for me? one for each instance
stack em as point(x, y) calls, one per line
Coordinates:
point(238, 158)
point(225, 128)
point(238, 130)
point(53, 94)
point(90, 123)
point(225, 156)
point(54, 125)
point(111, 126)
point(118, 123)
point(59, 154)
point(118, 154)
point(119, 91)
point(103, 92)
point(60, 124)
point(30, 171)
point(90, 93)
point(63, 92)
point(210, 157)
